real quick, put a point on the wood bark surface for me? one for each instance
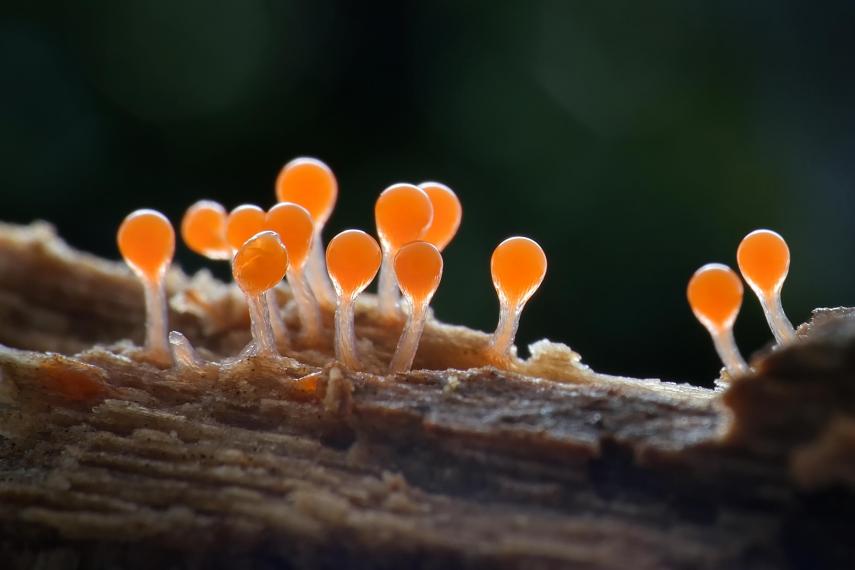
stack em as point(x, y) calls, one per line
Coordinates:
point(107, 461)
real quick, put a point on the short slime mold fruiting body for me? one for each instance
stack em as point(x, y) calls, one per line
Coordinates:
point(312, 184)
point(146, 241)
point(183, 354)
point(715, 295)
point(353, 258)
point(402, 212)
point(242, 224)
point(764, 261)
point(418, 270)
point(259, 265)
point(293, 224)
point(518, 267)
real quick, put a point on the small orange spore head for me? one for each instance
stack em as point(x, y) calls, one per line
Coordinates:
point(403, 212)
point(203, 229)
point(764, 260)
point(353, 258)
point(244, 222)
point(447, 213)
point(310, 183)
point(260, 263)
point(518, 266)
point(418, 268)
point(715, 295)
point(147, 242)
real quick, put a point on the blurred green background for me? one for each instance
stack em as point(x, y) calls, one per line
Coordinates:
point(634, 140)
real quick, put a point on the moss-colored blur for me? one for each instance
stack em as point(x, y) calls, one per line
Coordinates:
point(634, 141)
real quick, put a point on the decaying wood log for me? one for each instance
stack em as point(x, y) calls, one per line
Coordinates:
point(109, 462)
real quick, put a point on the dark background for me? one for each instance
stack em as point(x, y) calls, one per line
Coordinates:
point(634, 140)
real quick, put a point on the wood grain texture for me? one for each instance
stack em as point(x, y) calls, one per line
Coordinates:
point(107, 461)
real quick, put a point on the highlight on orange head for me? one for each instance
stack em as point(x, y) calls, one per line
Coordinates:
point(147, 242)
point(353, 258)
point(311, 184)
point(403, 212)
point(518, 267)
point(764, 260)
point(260, 263)
point(715, 295)
point(242, 223)
point(295, 228)
point(418, 267)
point(447, 213)
point(203, 229)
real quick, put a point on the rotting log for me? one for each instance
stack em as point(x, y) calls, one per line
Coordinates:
point(109, 462)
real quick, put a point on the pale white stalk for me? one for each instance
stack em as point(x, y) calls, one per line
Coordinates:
point(506, 330)
point(316, 272)
point(345, 338)
point(183, 352)
point(156, 331)
point(780, 325)
point(725, 346)
point(262, 332)
point(387, 288)
point(402, 361)
point(307, 306)
point(277, 325)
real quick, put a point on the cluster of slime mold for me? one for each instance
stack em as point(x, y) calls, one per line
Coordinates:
point(414, 224)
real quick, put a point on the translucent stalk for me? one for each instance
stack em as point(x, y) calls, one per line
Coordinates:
point(277, 325)
point(262, 332)
point(402, 361)
point(345, 338)
point(307, 306)
point(156, 328)
point(506, 330)
point(387, 288)
point(725, 345)
point(183, 353)
point(316, 272)
point(781, 326)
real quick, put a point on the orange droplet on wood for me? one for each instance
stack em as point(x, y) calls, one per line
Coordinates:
point(353, 258)
point(311, 184)
point(715, 295)
point(295, 228)
point(260, 263)
point(147, 242)
point(243, 223)
point(203, 229)
point(403, 212)
point(764, 260)
point(418, 268)
point(447, 214)
point(518, 267)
